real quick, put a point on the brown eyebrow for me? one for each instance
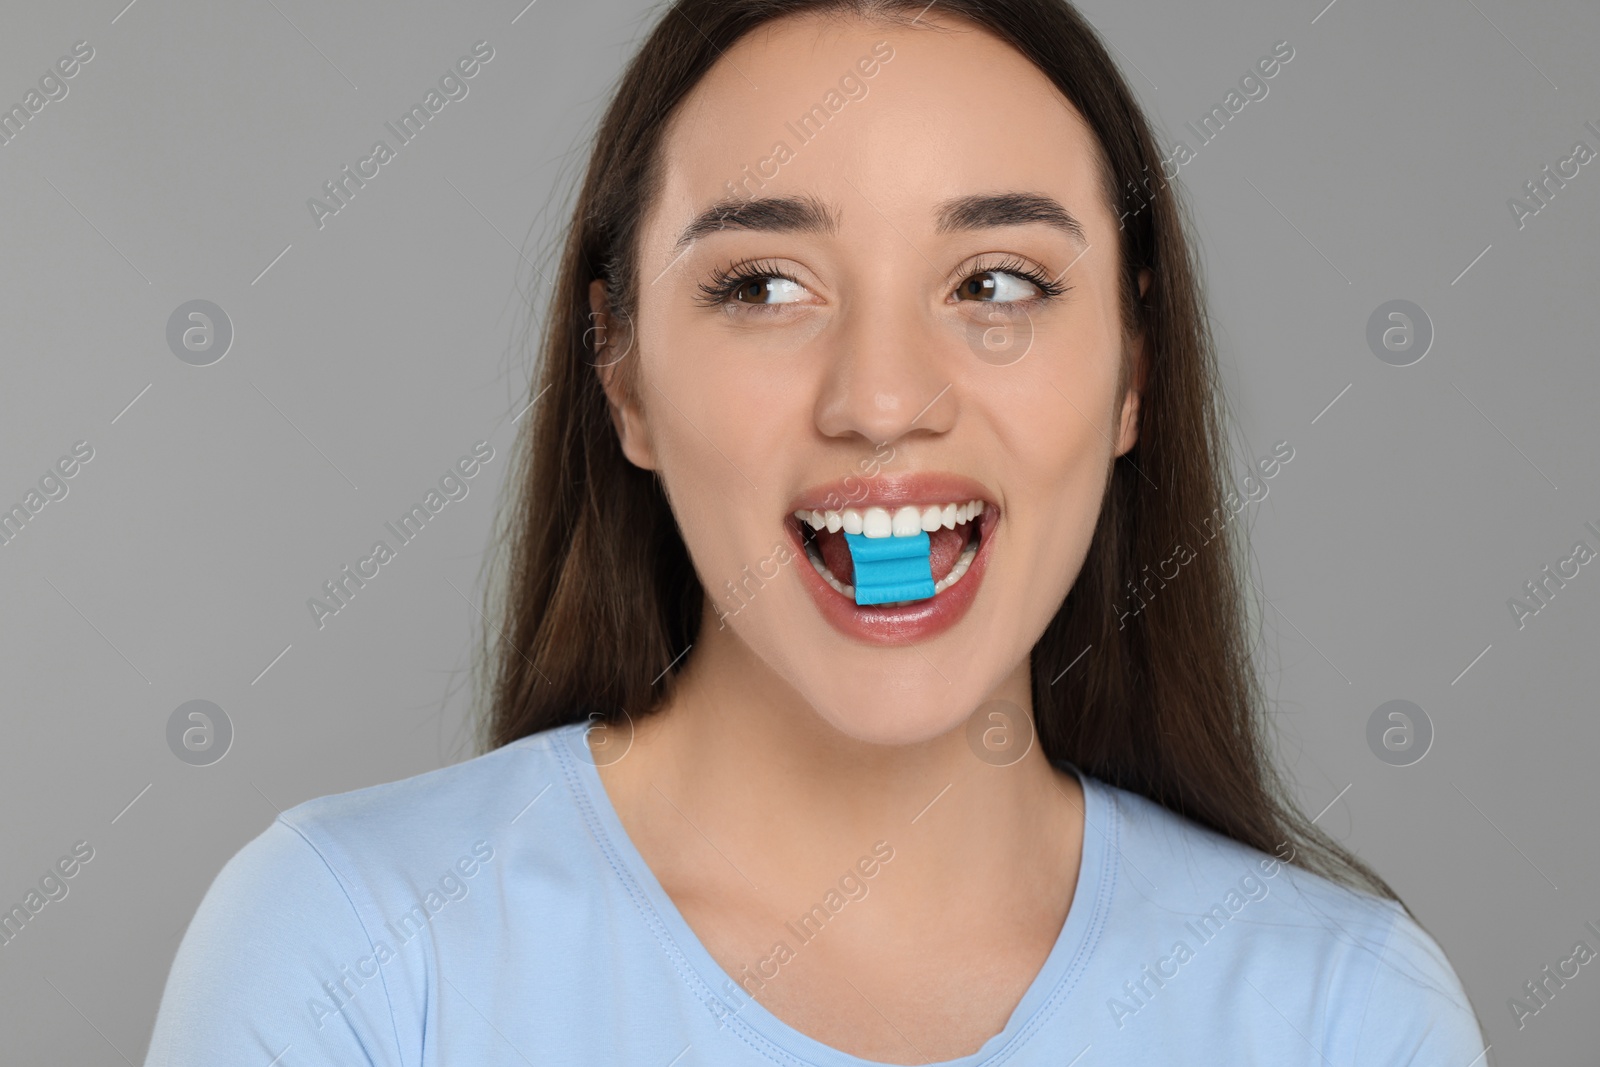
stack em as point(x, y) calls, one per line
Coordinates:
point(1007, 209)
point(806, 214)
point(770, 214)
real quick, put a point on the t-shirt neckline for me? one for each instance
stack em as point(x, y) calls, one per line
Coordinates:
point(710, 983)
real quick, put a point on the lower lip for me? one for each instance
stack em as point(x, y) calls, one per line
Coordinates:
point(904, 625)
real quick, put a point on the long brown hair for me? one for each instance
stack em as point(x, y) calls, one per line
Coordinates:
point(594, 621)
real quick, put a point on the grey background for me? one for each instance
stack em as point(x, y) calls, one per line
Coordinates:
point(375, 351)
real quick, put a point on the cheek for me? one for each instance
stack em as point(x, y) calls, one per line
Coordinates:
point(1064, 491)
point(729, 405)
point(1055, 427)
point(721, 423)
point(1055, 413)
point(714, 546)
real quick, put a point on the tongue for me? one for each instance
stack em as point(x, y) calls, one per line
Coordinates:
point(943, 548)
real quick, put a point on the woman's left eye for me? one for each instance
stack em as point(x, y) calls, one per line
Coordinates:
point(997, 286)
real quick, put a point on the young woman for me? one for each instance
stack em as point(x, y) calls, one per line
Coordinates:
point(842, 274)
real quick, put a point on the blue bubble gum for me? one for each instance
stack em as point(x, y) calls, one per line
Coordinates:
point(889, 569)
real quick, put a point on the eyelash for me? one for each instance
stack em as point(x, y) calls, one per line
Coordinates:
point(726, 281)
point(1048, 287)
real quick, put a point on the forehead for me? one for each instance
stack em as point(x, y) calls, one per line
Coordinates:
point(882, 120)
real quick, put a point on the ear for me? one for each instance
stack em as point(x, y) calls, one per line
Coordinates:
point(611, 344)
point(1128, 435)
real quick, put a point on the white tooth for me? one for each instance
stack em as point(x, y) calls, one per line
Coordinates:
point(961, 514)
point(802, 515)
point(816, 520)
point(847, 590)
point(907, 522)
point(930, 518)
point(947, 518)
point(877, 523)
point(835, 520)
point(963, 562)
point(827, 575)
point(851, 521)
point(977, 508)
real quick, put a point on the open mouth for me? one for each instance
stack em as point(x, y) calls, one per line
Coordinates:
point(954, 529)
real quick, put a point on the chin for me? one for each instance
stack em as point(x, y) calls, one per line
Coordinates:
point(879, 712)
point(892, 694)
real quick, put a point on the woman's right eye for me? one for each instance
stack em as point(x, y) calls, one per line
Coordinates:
point(769, 289)
point(751, 285)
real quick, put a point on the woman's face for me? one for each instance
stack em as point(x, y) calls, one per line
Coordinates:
point(906, 297)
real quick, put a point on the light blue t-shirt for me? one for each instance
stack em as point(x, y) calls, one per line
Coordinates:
point(496, 912)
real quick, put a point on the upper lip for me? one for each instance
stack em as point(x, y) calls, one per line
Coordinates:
point(920, 488)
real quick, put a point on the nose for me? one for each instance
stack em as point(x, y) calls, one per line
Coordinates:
point(889, 376)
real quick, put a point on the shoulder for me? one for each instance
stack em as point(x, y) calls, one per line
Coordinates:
point(463, 830)
point(1349, 965)
point(1170, 861)
point(309, 934)
point(1414, 1008)
point(274, 926)
point(394, 825)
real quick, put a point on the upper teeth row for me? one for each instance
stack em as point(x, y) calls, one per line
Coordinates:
point(902, 522)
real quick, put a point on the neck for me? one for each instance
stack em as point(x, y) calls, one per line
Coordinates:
point(738, 758)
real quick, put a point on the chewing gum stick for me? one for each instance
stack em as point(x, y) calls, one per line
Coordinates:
point(891, 568)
